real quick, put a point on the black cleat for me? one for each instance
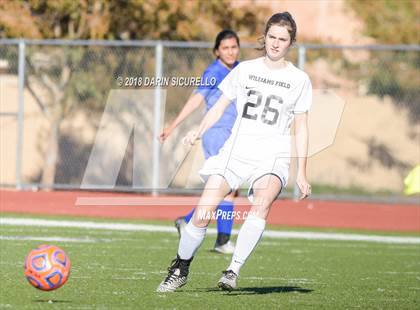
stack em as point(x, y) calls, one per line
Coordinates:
point(177, 275)
point(228, 281)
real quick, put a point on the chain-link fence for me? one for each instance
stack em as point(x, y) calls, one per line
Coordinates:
point(377, 142)
point(57, 97)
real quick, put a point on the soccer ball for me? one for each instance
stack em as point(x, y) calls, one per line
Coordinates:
point(47, 267)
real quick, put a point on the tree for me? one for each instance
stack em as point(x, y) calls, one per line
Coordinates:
point(73, 77)
point(393, 22)
point(126, 19)
point(389, 22)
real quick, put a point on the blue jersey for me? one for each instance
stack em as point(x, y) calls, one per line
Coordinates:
point(216, 71)
point(215, 137)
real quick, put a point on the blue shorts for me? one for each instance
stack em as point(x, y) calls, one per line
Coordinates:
point(213, 140)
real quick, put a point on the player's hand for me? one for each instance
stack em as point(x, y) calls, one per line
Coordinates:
point(304, 186)
point(190, 138)
point(164, 135)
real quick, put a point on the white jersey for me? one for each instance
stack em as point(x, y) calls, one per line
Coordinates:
point(266, 101)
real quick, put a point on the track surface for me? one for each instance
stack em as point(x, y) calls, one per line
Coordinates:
point(309, 213)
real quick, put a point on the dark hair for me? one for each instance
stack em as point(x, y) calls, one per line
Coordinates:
point(284, 19)
point(222, 35)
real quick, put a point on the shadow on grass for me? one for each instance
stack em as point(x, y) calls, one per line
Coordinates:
point(262, 290)
point(52, 301)
point(269, 290)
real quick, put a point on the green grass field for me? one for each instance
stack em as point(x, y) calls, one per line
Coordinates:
point(121, 270)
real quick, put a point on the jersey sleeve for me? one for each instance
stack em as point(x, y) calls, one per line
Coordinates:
point(304, 101)
point(207, 86)
point(229, 85)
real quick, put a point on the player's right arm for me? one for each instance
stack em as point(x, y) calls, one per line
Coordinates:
point(228, 87)
point(190, 106)
point(212, 116)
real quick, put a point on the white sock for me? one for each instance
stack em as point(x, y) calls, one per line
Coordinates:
point(249, 235)
point(191, 239)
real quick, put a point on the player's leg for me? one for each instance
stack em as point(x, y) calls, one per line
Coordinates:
point(212, 141)
point(265, 190)
point(224, 220)
point(215, 190)
point(224, 213)
point(182, 221)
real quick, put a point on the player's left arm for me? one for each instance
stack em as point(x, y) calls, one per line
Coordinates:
point(302, 137)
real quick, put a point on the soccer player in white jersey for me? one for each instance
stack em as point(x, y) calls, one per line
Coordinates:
point(271, 94)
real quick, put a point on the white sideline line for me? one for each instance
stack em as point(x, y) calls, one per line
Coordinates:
point(48, 239)
point(340, 237)
point(146, 201)
point(161, 228)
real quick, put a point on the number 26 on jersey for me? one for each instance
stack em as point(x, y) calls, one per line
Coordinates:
point(270, 113)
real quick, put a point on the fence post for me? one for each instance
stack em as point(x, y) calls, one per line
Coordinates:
point(20, 116)
point(157, 117)
point(301, 65)
point(301, 57)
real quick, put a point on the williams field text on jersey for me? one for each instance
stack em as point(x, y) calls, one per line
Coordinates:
point(268, 81)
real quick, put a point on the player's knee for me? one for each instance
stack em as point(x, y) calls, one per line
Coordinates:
point(261, 206)
point(264, 197)
point(201, 222)
point(231, 196)
point(202, 217)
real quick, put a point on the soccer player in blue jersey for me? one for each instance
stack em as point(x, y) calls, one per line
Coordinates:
point(226, 49)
